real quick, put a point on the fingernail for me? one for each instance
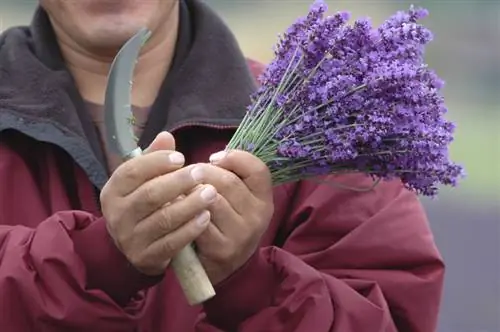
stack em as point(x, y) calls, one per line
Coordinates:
point(203, 218)
point(176, 158)
point(216, 157)
point(197, 173)
point(208, 194)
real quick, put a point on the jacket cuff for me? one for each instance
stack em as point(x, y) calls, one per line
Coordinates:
point(249, 290)
point(107, 269)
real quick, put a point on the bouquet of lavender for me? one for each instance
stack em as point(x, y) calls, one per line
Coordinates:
point(343, 98)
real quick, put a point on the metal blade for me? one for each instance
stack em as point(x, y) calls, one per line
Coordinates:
point(118, 115)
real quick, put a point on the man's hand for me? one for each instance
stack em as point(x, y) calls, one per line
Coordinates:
point(240, 215)
point(144, 217)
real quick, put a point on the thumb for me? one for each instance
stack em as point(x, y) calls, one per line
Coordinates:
point(250, 169)
point(163, 141)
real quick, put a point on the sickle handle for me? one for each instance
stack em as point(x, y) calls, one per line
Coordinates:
point(192, 276)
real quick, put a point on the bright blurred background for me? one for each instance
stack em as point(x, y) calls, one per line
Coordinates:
point(466, 53)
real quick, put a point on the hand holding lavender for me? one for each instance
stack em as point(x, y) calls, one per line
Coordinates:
point(343, 98)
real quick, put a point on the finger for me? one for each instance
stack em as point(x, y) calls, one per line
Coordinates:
point(212, 242)
point(254, 173)
point(154, 194)
point(166, 247)
point(133, 173)
point(228, 225)
point(225, 218)
point(225, 229)
point(162, 141)
point(228, 184)
point(173, 215)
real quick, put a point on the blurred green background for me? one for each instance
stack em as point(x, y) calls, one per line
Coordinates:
point(466, 53)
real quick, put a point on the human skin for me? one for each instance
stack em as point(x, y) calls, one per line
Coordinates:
point(90, 33)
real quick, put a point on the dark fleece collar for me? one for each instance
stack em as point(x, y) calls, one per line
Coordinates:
point(210, 86)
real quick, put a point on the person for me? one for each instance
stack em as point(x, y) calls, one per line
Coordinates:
point(86, 239)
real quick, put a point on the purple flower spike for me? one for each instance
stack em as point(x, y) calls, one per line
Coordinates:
point(339, 98)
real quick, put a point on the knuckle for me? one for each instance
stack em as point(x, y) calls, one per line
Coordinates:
point(104, 195)
point(116, 238)
point(230, 180)
point(129, 170)
point(260, 168)
point(151, 195)
point(112, 216)
point(114, 210)
point(169, 248)
point(120, 242)
point(124, 240)
point(108, 200)
point(259, 223)
point(165, 221)
point(264, 175)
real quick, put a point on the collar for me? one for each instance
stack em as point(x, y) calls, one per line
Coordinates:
point(209, 85)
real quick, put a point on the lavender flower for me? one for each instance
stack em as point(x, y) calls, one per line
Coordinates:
point(351, 98)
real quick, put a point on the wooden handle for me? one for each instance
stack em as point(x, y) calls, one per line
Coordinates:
point(192, 276)
point(187, 267)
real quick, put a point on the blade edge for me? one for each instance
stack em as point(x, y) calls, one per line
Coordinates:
point(117, 102)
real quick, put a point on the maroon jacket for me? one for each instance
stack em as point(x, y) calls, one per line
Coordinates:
point(332, 260)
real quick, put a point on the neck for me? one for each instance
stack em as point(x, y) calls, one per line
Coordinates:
point(90, 70)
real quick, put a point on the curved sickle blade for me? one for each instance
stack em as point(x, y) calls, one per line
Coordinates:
point(118, 115)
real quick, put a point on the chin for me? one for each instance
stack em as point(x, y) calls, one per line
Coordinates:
point(111, 36)
point(106, 24)
point(112, 29)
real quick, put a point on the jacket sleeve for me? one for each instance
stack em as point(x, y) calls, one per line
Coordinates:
point(351, 262)
point(44, 281)
point(61, 272)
